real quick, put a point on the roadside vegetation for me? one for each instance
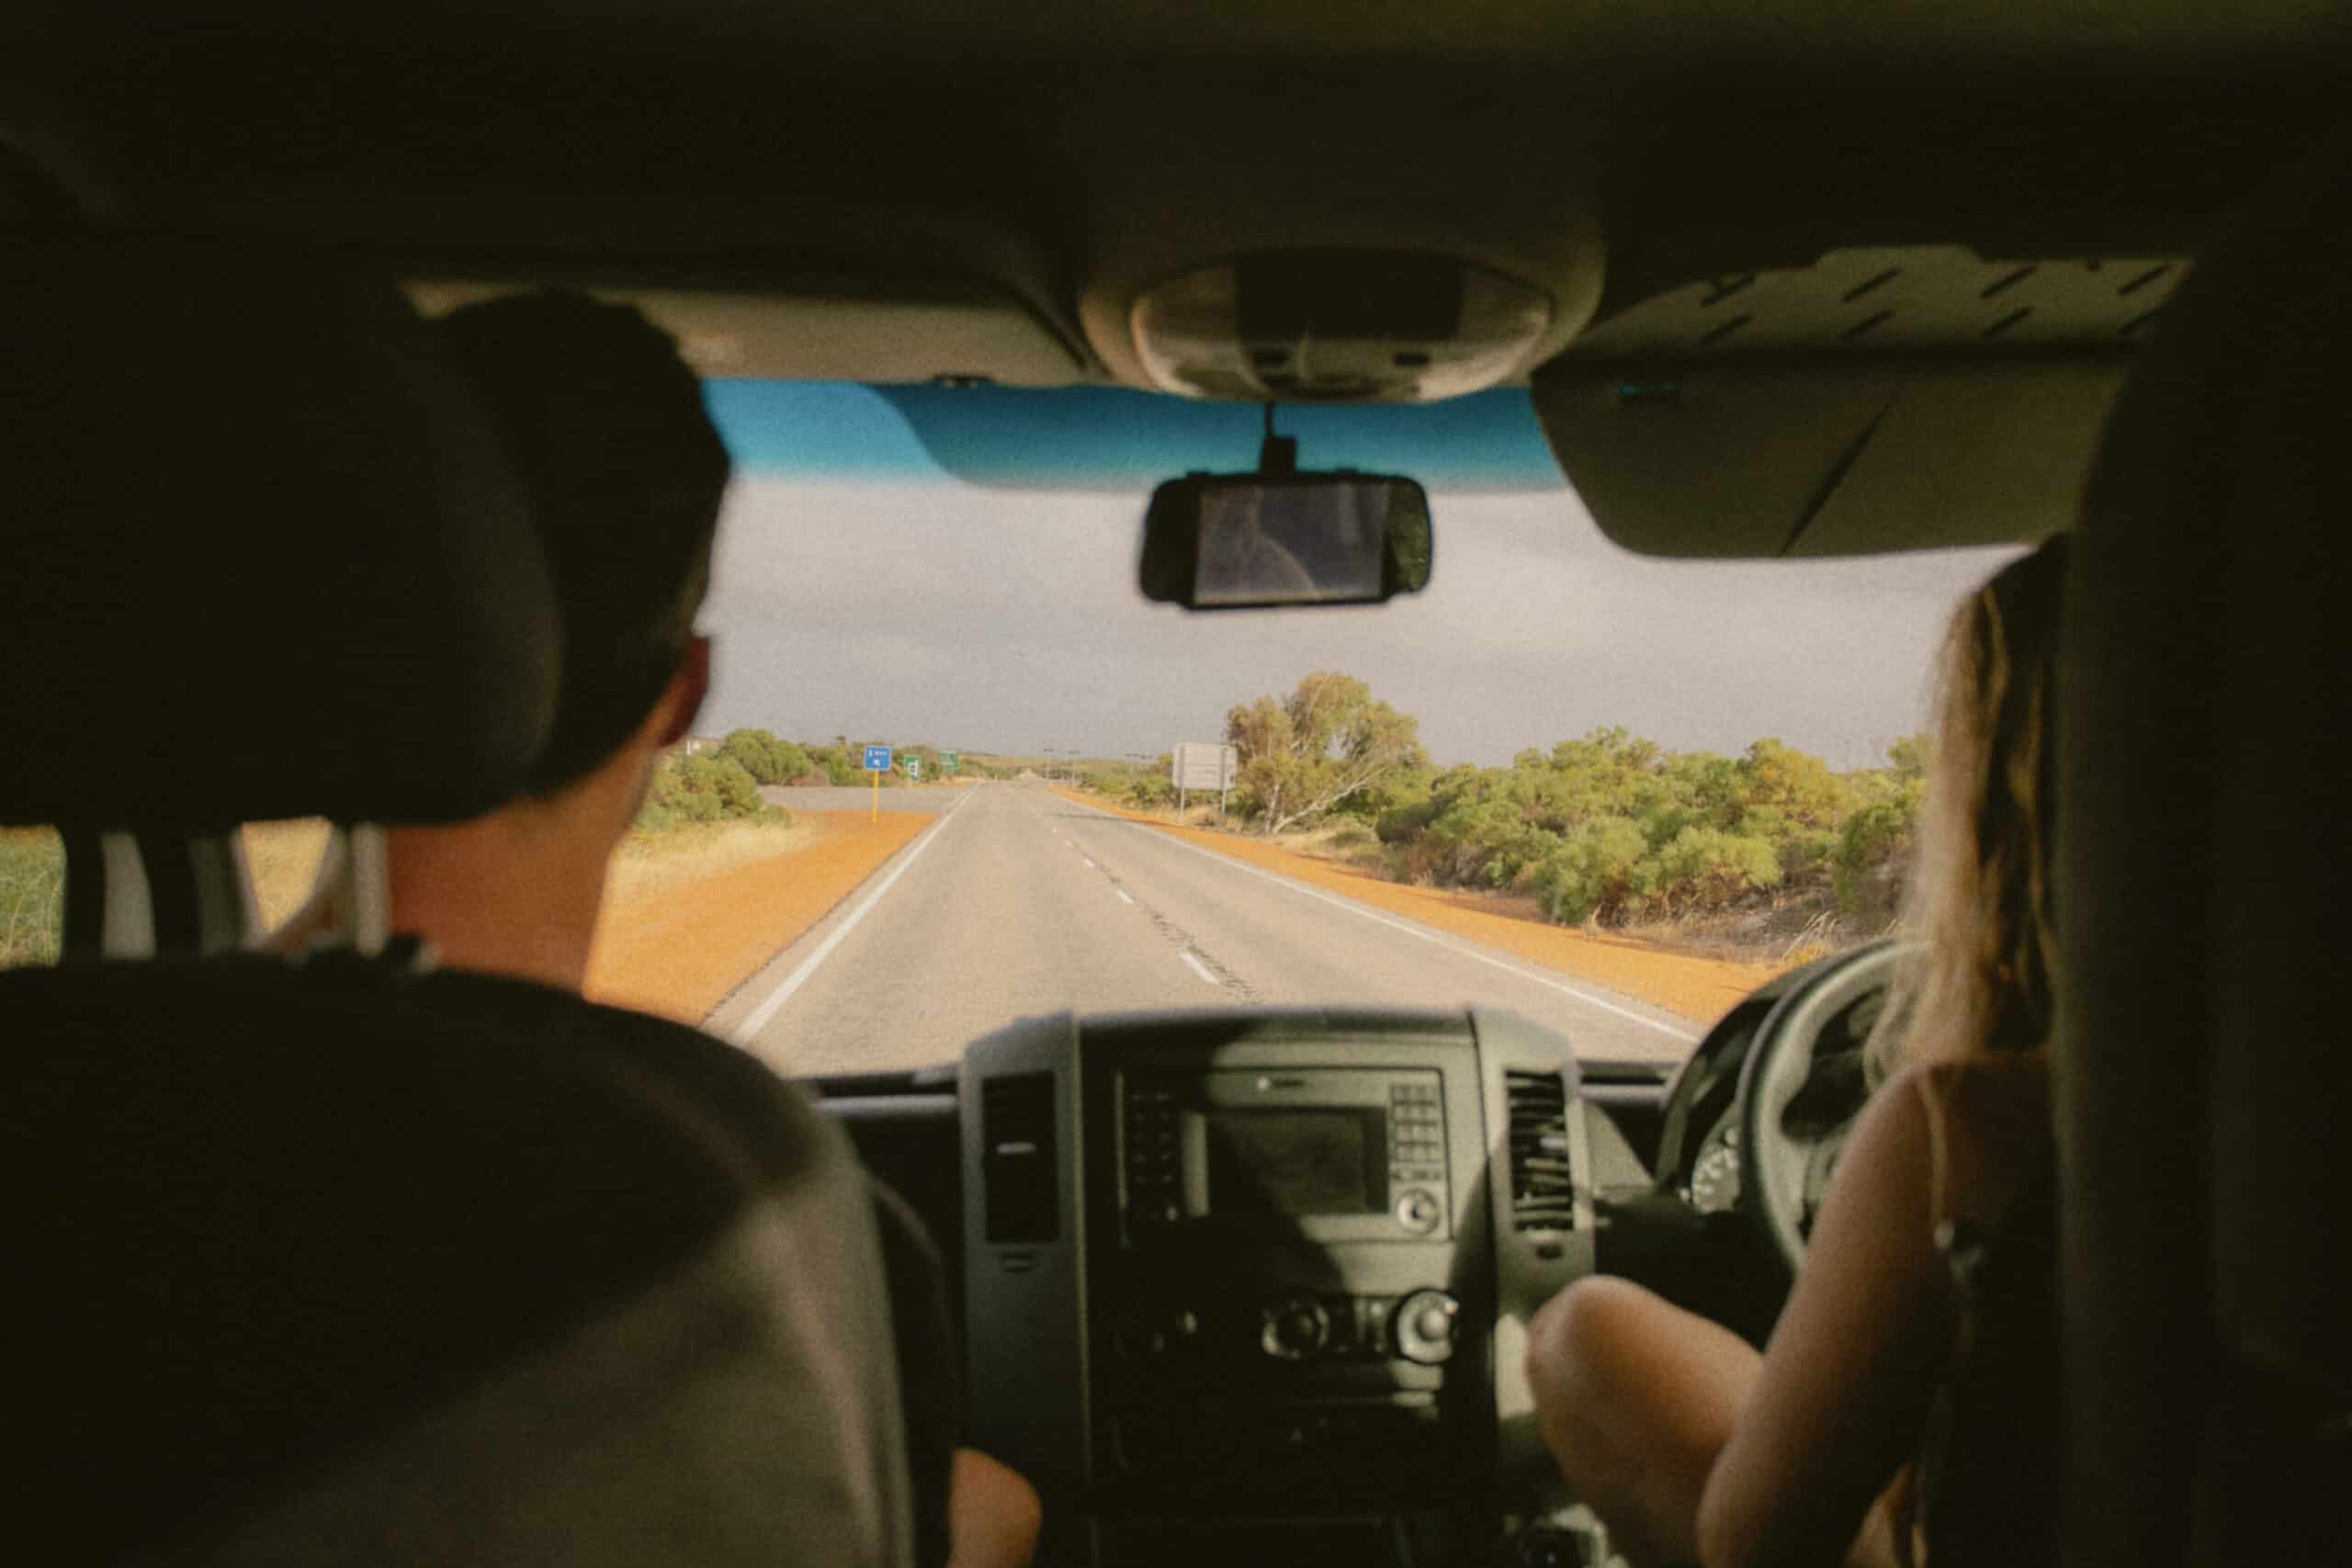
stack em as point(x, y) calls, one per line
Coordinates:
point(1766, 853)
point(720, 783)
point(649, 862)
point(32, 883)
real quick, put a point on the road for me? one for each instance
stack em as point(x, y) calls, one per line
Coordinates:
point(924, 802)
point(1018, 901)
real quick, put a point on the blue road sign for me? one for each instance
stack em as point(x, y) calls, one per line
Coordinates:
point(877, 759)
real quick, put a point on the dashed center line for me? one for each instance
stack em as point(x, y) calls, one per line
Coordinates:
point(1454, 946)
point(1186, 944)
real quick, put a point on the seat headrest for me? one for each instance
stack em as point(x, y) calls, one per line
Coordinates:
point(2205, 728)
point(259, 553)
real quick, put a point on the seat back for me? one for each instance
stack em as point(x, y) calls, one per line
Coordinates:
point(345, 1261)
point(341, 1259)
point(2201, 1078)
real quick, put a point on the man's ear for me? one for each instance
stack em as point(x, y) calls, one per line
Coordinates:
point(689, 685)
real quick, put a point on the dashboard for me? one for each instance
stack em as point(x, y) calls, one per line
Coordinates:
point(1244, 1282)
point(1255, 1284)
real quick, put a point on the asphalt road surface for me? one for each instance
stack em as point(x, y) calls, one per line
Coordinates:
point(1017, 901)
point(851, 797)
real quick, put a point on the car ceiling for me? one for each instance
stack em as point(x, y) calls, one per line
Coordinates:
point(1047, 158)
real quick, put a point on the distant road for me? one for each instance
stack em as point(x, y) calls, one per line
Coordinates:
point(1018, 901)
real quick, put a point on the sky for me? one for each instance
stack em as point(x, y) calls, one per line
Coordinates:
point(929, 565)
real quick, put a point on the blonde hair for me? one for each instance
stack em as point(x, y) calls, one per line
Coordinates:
point(1979, 897)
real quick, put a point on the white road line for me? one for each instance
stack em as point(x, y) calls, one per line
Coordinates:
point(1198, 967)
point(1122, 895)
point(1355, 909)
point(748, 1031)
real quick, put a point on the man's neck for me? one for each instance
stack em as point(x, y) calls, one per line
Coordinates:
point(513, 893)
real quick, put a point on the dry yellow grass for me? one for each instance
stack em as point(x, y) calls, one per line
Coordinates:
point(284, 859)
point(679, 947)
point(649, 862)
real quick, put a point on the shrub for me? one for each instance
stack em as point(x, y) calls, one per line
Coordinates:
point(1151, 790)
point(696, 807)
point(768, 758)
point(1706, 868)
point(724, 777)
point(1597, 873)
point(1414, 861)
point(708, 788)
point(1405, 818)
point(1492, 841)
point(1873, 838)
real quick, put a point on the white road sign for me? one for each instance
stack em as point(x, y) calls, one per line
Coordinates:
point(1201, 765)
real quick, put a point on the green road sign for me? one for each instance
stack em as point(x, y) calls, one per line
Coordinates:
point(915, 767)
point(949, 762)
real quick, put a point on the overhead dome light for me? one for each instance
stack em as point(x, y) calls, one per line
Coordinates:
point(1338, 326)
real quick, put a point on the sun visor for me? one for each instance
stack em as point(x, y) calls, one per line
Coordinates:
point(260, 555)
point(1887, 398)
point(952, 331)
point(1752, 458)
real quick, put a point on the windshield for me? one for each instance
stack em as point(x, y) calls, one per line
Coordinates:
point(1610, 794)
point(954, 769)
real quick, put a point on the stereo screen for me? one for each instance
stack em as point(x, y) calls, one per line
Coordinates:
point(1297, 1162)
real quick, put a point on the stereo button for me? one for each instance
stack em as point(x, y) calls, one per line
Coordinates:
point(1295, 1327)
point(1425, 1324)
point(1418, 1211)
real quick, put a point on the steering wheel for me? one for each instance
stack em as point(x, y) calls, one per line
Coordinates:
point(1780, 1169)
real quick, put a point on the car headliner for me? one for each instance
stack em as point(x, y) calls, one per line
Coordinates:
point(1042, 162)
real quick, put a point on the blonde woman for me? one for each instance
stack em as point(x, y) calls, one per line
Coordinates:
point(1924, 1309)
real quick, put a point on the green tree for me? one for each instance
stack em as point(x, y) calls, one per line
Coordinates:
point(1329, 741)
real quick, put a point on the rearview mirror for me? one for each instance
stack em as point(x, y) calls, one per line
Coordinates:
point(1247, 541)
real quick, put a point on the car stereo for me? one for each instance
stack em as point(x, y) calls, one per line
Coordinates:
point(1261, 1264)
point(1335, 1154)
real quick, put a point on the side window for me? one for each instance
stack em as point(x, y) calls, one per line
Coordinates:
point(283, 858)
point(32, 896)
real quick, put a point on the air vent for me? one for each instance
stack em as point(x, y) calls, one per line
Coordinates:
point(1018, 1167)
point(1542, 1189)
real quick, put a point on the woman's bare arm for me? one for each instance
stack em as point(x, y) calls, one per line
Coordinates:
point(1843, 1394)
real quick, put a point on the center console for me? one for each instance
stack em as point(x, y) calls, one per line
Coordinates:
point(1234, 1274)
